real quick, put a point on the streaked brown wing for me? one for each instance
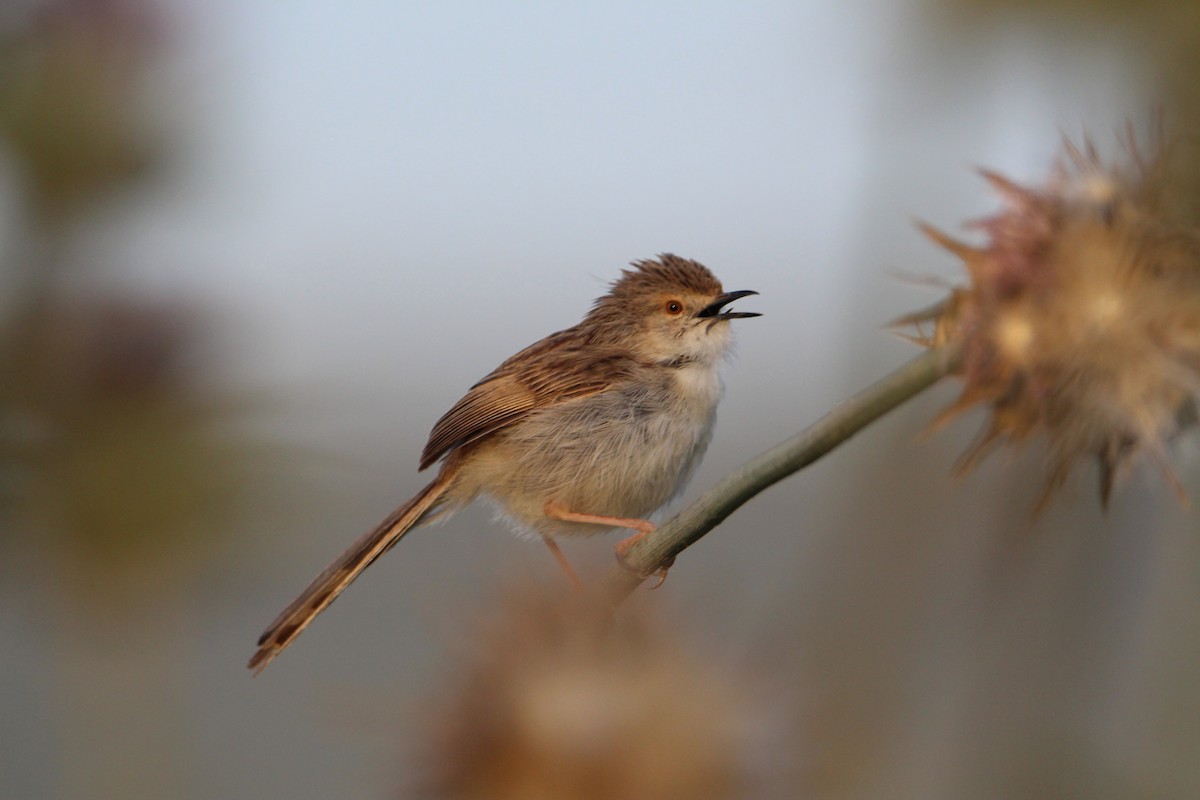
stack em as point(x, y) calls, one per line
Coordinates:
point(554, 370)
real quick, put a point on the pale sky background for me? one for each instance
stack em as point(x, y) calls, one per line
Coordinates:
point(381, 201)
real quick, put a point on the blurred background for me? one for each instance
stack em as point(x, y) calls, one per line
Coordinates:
point(250, 251)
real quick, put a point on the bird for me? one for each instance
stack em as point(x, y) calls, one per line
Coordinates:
point(592, 428)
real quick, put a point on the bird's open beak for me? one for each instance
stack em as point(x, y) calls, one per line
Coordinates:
point(713, 309)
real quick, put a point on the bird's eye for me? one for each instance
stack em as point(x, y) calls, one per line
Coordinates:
point(673, 307)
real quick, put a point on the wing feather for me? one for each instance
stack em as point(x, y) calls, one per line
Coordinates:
point(554, 370)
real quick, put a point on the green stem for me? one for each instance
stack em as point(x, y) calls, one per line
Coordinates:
point(848, 418)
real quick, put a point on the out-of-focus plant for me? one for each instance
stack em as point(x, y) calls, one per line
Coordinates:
point(73, 105)
point(554, 700)
point(108, 441)
point(110, 445)
point(1081, 320)
point(119, 466)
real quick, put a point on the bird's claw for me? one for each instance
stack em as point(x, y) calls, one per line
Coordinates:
point(622, 550)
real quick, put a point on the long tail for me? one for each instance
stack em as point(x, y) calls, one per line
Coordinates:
point(338, 575)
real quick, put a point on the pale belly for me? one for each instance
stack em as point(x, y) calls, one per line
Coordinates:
point(618, 454)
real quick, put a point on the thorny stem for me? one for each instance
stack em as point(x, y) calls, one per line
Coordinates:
point(848, 418)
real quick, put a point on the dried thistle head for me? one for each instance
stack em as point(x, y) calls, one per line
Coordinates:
point(560, 701)
point(1081, 320)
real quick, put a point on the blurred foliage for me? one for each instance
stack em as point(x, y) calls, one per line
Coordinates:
point(109, 444)
point(1164, 35)
point(556, 701)
point(73, 108)
point(121, 467)
point(106, 440)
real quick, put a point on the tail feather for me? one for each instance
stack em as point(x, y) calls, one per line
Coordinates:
point(337, 576)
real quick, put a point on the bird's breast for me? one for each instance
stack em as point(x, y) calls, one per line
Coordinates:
point(696, 391)
point(624, 452)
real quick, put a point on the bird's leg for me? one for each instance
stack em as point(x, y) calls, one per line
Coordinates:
point(643, 527)
point(557, 552)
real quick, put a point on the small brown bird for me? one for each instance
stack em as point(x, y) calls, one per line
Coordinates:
point(592, 428)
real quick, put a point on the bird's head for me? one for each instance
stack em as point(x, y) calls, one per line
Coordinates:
point(668, 309)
